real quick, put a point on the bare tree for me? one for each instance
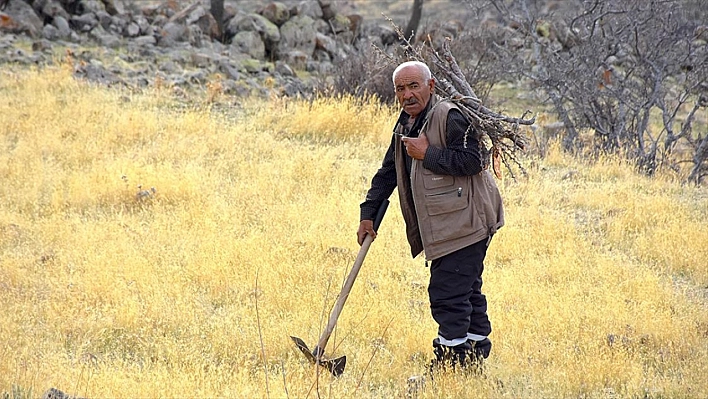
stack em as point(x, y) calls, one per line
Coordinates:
point(631, 72)
point(217, 10)
point(413, 23)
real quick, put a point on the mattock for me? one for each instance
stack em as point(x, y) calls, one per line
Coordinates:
point(316, 356)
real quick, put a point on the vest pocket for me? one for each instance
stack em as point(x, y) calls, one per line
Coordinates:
point(451, 214)
point(432, 180)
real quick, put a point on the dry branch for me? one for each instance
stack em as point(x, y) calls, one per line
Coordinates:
point(502, 131)
point(498, 134)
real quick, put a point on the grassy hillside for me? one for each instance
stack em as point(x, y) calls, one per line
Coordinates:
point(596, 286)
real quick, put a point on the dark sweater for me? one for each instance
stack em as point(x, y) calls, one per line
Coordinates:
point(460, 158)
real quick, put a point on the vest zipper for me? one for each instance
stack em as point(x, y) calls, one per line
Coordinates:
point(458, 190)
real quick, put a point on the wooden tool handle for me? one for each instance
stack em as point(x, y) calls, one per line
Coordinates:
point(344, 294)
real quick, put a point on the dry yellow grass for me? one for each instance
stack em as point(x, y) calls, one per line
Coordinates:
point(596, 285)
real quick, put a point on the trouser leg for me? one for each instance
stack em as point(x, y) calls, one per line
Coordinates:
point(457, 303)
point(480, 327)
point(456, 300)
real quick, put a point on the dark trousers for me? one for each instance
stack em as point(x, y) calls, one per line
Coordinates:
point(456, 299)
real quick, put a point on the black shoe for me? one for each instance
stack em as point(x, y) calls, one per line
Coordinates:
point(480, 351)
point(467, 357)
point(481, 348)
point(451, 357)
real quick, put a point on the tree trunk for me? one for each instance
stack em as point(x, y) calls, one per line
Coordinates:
point(217, 10)
point(327, 10)
point(700, 164)
point(412, 27)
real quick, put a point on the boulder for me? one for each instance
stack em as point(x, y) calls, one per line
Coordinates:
point(295, 58)
point(257, 23)
point(132, 30)
point(63, 26)
point(166, 9)
point(172, 33)
point(53, 393)
point(322, 27)
point(42, 45)
point(206, 22)
point(168, 67)
point(321, 55)
point(340, 23)
point(248, 42)
point(84, 22)
point(50, 32)
point(20, 17)
point(143, 24)
point(251, 65)
point(100, 36)
point(310, 8)
point(326, 43)
point(276, 12)
point(114, 7)
point(89, 7)
point(104, 19)
point(229, 12)
point(201, 60)
point(385, 33)
point(284, 69)
point(298, 35)
point(229, 70)
point(53, 9)
point(196, 36)
point(145, 41)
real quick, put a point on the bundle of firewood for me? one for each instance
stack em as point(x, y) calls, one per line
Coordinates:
point(499, 135)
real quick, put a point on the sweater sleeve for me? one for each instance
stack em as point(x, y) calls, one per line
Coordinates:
point(461, 156)
point(382, 185)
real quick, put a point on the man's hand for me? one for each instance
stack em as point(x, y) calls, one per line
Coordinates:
point(416, 146)
point(365, 227)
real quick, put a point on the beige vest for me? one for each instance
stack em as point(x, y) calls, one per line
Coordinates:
point(445, 213)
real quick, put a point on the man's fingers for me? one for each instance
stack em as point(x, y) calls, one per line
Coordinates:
point(361, 237)
point(365, 227)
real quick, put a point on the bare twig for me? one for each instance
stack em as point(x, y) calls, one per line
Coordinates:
point(501, 131)
point(373, 354)
point(285, 382)
point(260, 337)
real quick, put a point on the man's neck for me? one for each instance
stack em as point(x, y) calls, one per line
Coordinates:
point(410, 122)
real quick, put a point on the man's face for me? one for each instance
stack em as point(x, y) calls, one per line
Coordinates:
point(412, 91)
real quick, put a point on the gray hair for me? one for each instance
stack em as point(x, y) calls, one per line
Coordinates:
point(421, 67)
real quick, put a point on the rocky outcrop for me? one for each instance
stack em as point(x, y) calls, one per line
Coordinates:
point(182, 46)
point(19, 17)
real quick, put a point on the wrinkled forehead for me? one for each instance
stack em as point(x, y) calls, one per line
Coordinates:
point(409, 75)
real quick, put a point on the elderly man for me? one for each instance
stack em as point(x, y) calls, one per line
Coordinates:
point(451, 208)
